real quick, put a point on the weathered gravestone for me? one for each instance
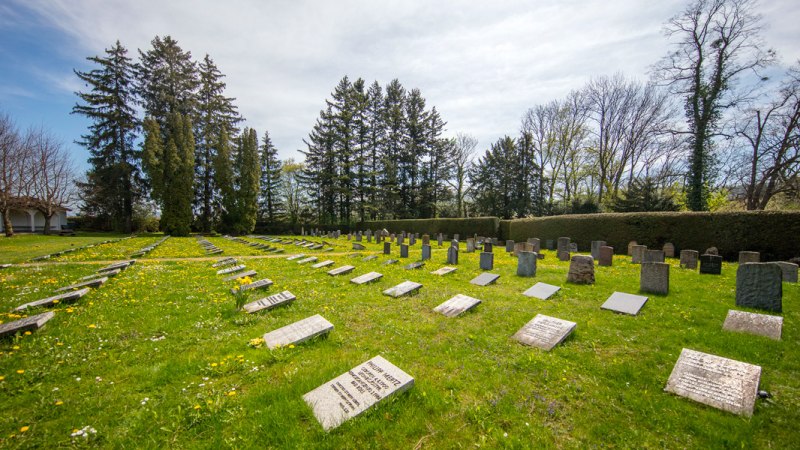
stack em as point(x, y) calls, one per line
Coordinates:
point(457, 305)
point(485, 279)
point(355, 391)
point(452, 255)
point(298, 332)
point(357, 246)
point(444, 270)
point(341, 270)
point(711, 264)
point(669, 250)
point(749, 257)
point(108, 273)
point(404, 288)
point(91, 283)
point(121, 265)
point(307, 260)
point(789, 271)
point(67, 297)
point(31, 323)
point(439, 239)
point(544, 332)
point(638, 252)
point(487, 261)
point(573, 247)
point(470, 245)
point(596, 248)
point(752, 323)
point(548, 243)
point(426, 252)
point(581, 270)
point(631, 244)
point(651, 256)
point(689, 259)
point(390, 261)
point(542, 291)
point(526, 264)
point(267, 303)
point(624, 303)
point(536, 243)
point(236, 276)
point(426, 239)
point(369, 258)
point(387, 248)
point(564, 256)
point(297, 256)
point(563, 248)
point(412, 240)
point(403, 250)
point(487, 247)
point(265, 282)
point(322, 264)
point(712, 251)
point(509, 246)
point(366, 278)
point(715, 381)
point(606, 256)
point(758, 285)
point(654, 278)
point(414, 265)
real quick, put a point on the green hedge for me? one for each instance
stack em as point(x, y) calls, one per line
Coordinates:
point(482, 226)
point(776, 234)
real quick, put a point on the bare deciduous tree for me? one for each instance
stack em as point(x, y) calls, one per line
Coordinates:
point(462, 151)
point(53, 185)
point(13, 161)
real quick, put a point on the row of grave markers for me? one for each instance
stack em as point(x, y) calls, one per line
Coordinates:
point(74, 249)
point(149, 248)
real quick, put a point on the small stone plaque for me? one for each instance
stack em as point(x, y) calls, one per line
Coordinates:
point(545, 332)
point(236, 276)
point(341, 270)
point(27, 324)
point(231, 269)
point(444, 270)
point(457, 305)
point(389, 262)
point(297, 256)
point(355, 391)
point(404, 288)
point(625, 303)
point(414, 265)
point(542, 291)
point(265, 282)
point(366, 278)
point(214, 252)
point(298, 332)
point(485, 279)
point(322, 264)
point(224, 262)
point(723, 383)
point(307, 260)
point(758, 324)
point(91, 283)
point(66, 297)
point(370, 258)
point(270, 302)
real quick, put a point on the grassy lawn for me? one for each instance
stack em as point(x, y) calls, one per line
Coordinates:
point(159, 357)
point(22, 247)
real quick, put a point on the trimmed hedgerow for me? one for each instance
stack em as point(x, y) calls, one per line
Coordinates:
point(482, 226)
point(776, 234)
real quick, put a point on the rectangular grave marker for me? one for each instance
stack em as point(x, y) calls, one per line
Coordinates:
point(389, 262)
point(752, 323)
point(297, 256)
point(265, 282)
point(341, 270)
point(31, 323)
point(485, 279)
point(231, 269)
point(711, 264)
point(444, 270)
point(404, 288)
point(759, 285)
point(307, 260)
point(457, 305)
point(545, 332)
point(270, 302)
point(624, 303)
point(542, 291)
point(91, 283)
point(107, 273)
point(67, 297)
point(366, 278)
point(298, 332)
point(414, 265)
point(369, 258)
point(322, 264)
point(236, 276)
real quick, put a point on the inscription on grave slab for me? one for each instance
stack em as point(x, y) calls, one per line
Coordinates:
point(715, 381)
point(457, 305)
point(298, 332)
point(63, 298)
point(247, 273)
point(91, 283)
point(406, 287)
point(270, 302)
point(352, 393)
point(545, 332)
point(758, 324)
point(366, 278)
point(711, 264)
point(107, 273)
point(27, 324)
point(266, 282)
point(341, 270)
point(444, 270)
point(624, 303)
point(542, 291)
point(485, 279)
point(231, 269)
point(322, 264)
point(224, 262)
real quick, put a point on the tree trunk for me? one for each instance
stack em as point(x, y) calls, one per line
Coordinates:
point(7, 228)
point(47, 218)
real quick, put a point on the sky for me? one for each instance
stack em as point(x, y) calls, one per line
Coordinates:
point(481, 63)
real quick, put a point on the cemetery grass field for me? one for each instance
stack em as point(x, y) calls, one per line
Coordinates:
point(160, 357)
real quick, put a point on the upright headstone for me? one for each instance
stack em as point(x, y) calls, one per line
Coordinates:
point(654, 278)
point(749, 257)
point(536, 243)
point(638, 254)
point(426, 252)
point(470, 245)
point(712, 251)
point(412, 240)
point(404, 250)
point(758, 285)
point(452, 255)
point(487, 247)
point(669, 250)
point(563, 247)
point(689, 259)
point(631, 244)
point(752, 323)
point(573, 247)
point(788, 269)
point(711, 264)
point(456, 236)
point(564, 256)
point(596, 248)
point(487, 261)
point(387, 248)
point(439, 239)
point(548, 244)
point(509, 246)
point(581, 270)
point(544, 332)
point(606, 256)
point(520, 247)
point(358, 237)
point(526, 264)
point(401, 239)
point(651, 256)
point(426, 239)
point(454, 243)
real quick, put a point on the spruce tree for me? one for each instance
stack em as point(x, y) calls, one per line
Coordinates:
point(270, 180)
point(248, 172)
point(224, 178)
point(394, 142)
point(319, 175)
point(376, 124)
point(167, 80)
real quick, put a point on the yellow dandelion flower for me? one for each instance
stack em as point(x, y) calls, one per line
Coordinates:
point(2, 377)
point(291, 345)
point(231, 393)
point(56, 301)
point(213, 364)
point(59, 343)
point(27, 333)
point(196, 406)
point(92, 326)
point(20, 371)
point(16, 347)
point(24, 429)
point(59, 403)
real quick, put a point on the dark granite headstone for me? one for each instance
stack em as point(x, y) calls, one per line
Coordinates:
point(759, 285)
point(486, 261)
point(788, 269)
point(581, 270)
point(387, 248)
point(426, 252)
point(404, 250)
point(487, 247)
point(711, 264)
point(548, 244)
point(452, 255)
point(526, 264)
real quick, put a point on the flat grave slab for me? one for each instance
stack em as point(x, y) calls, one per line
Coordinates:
point(444, 270)
point(715, 381)
point(322, 264)
point(369, 258)
point(108, 273)
point(752, 323)
point(297, 256)
point(231, 269)
point(27, 324)
point(404, 288)
point(389, 262)
point(542, 291)
point(414, 265)
point(341, 270)
point(485, 279)
point(236, 276)
point(307, 260)
point(91, 283)
point(5, 266)
point(116, 266)
point(624, 303)
point(270, 302)
point(355, 391)
point(298, 332)
point(545, 332)
point(366, 278)
point(215, 252)
point(66, 297)
point(457, 305)
point(264, 282)
point(224, 262)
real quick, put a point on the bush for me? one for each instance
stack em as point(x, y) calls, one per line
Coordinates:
point(482, 226)
point(773, 233)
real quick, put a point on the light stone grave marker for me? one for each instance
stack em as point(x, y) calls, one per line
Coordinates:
point(545, 332)
point(624, 303)
point(231, 269)
point(414, 265)
point(307, 260)
point(390, 261)
point(91, 283)
point(355, 391)
point(788, 270)
point(654, 278)
point(406, 287)
point(31, 323)
point(322, 264)
point(67, 297)
point(526, 264)
point(689, 259)
point(298, 332)
point(366, 278)
point(715, 381)
point(119, 265)
point(637, 254)
point(357, 246)
point(484, 279)
point(457, 305)
point(606, 256)
point(265, 282)
point(369, 258)
point(270, 302)
point(108, 273)
point(444, 270)
point(669, 250)
point(759, 285)
point(542, 291)
point(297, 256)
point(596, 248)
point(749, 257)
point(752, 323)
point(236, 276)
point(651, 256)
point(341, 270)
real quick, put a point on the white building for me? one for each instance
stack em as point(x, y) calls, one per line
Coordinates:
point(31, 220)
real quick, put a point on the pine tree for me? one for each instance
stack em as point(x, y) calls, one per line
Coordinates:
point(412, 153)
point(248, 172)
point(361, 136)
point(394, 142)
point(319, 176)
point(438, 165)
point(271, 205)
point(113, 183)
point(224, 178)
point(167, 80)
point(644, 195)
point(341, 105)
point(375, 123)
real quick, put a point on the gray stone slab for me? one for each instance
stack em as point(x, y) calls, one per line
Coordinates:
point(355, 391)
point(653, 256)
point(444, 270)
point(759, 285)
point(341, 270)
point(669, 250)
point(389, 262)
point(404, 288)
point(637, 253)
point(108, 273)
point(31, 323)
point(67, 297)
point(298, 332)
point(231, 269)
point(689, 259)
point(264, 282)
point(606, 256)
point(484, 279)
point(214, 252)
point(749, 257)
point(91, 283)
point(116, 266)
point(715, 381)
point(414, 265)
point(486, 261)
point(457, 305)
point(236, 276)
point(322, 264)
point(224, 262)
point(297, 256)
point(581, 270)
point(366, 278)
point(542, 291)
point(369, 258)
point(752, 323)
point(596, 248)
point(307, 260)
point(625, 303)
point(789, 271)
point(526, 264)
point(267, 303)
point(545, 332)
point(357, 246)
point(654, 278)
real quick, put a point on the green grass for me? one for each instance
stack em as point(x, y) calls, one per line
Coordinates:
point(23, 247)
point(168, 332)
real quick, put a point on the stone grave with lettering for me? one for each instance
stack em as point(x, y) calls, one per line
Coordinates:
point(606, 256)
point(544, 332)
point(624, 303)
point(596, 248)
point(637, 256)
point(307, 260)
point(749, 257)
point(108, 273)
point(654, 278)
point(452, 255)
point(457, 305)
point(788, 270)
point(711, 264)
point(322, 264)
point(366, 278)
point(355, 391)
point(485, 279)
point(31, 323)
point(67, 297)
point(542, 291)
point(341, 270)
point(444, 270)
point(267, 303)
point(689, 259)
point(759, 285)
point(90, 283)
point(581, 270)
point(526, 264)
point(573, 247)
point(264, 282)
point(298, 332)
point(715, 381)
point(669, 250)
point(486, 261)
point(404, 288)
point(236, 276)
point(752, 323)
point(426, 252)
point(414, 265)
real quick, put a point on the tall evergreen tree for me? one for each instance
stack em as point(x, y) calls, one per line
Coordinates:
point(224, 179)
point(167, 80)
point(271, 204)
point(412, 153)
point(113, 182)
point(394, 142)
point(247, 169)
point(438, 164)
point(375, 123)
point(319, 176)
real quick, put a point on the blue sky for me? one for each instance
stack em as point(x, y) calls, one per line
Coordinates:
point(482, 64)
